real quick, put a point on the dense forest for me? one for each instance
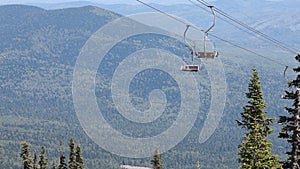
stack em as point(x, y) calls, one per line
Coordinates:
point(38, 52)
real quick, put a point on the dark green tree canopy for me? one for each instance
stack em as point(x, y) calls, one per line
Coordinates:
point(26, 155)
point(72, 157)
point(157, 161)
point(62, 158)
point(291, 122)
point(43, 159)
point(79, 158)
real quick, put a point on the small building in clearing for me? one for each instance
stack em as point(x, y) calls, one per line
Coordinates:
point(133, 167)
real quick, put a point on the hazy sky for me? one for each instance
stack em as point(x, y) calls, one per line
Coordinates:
point(97, 1)
point(103, 1)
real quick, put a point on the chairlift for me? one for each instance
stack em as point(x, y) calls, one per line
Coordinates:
point(193, 67)
point(190, 68)
point(206, 53)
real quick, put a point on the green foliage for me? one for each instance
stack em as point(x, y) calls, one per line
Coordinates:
point(72, 157)
point(62, 162)
point(255, 150)
point(35, 159)
point(157, 161)
point(43, 159)
point(79, 158)
point(291, 122)
point(53, 165)
point(26, 155)
point(62, 158)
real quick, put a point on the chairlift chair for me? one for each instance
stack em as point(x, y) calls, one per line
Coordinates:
point(190, 68)
point(207, 53)
point(193, 67)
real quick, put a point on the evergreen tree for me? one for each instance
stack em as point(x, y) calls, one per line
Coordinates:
point(255, 150)
point(62, 162)
point(72, 157)
point(25, 154)
point(35, 166)
point(291, 123)
point(157, 161)
point(79, 158)
point(53, 165)
point(62, 159)
point(43, 159)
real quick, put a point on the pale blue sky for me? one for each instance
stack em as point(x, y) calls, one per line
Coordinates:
point(96, 1)
point(169, 2)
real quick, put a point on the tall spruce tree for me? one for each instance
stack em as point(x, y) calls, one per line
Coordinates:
point(26, 155)
point(79, 158)
point(291, 123)
point(255, 149)
point(43, 162)
point(157, 161)
point(72, 157)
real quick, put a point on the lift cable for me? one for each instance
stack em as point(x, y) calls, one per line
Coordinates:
point(250, 51)
point(215, 36)
point(230, 23)
point(171, 16)
point(240, 23)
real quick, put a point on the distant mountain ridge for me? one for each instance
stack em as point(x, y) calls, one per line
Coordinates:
point(278, 19)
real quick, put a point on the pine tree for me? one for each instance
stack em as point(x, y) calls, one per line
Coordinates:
point(72, 157)
point(62, 162)
point(25, 154)
point(79, 158)
point(255, 150)
point(43, 162)
point(156, 161)
point(35, 166)
point(53, 165)
point(291, 123)
point(62, 159)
